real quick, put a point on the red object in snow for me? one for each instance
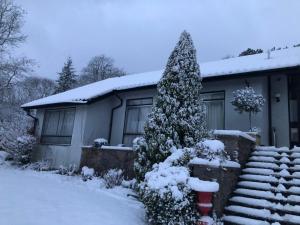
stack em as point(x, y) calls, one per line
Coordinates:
point(204, 202)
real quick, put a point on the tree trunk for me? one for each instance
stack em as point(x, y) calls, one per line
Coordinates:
point(250, 121)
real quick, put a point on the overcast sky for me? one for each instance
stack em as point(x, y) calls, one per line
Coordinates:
point(140, 34)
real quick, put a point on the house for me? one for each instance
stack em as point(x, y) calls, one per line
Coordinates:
point(116, 108)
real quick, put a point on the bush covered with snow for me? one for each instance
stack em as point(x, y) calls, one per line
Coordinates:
point(22, 151)
point(99, 142)
point(43, 165)
point(69, 171)
point(168, 190)
point(87, 173)
point(113, 177)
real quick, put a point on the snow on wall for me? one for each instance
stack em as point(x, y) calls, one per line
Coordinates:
point(259, 62)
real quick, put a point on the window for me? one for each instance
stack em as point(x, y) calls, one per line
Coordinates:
point(137, 111)
point(58, 126)
point(214, 102)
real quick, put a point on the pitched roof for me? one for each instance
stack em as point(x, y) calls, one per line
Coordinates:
point(260, 62)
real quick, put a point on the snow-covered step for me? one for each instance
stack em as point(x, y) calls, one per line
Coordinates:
point(239, 220)
point(272, 148)
point(255, 185)
point(263, 165)
point(258, 171)
point(263, 203)
point(262, 178)
point(274, 166)
point(295, 155)
point(280, 188)
point(263, 214)
point(261, 171)
point(266, 153)
point(268, 195)
point(247, 211)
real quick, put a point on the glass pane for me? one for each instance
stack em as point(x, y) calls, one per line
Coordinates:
point(50, 123)
point(132, 120)
point(294, 135)
point(128, 139)
point(213, 95)
point(142, 101)
point(215, 114)
point(143, 116)
point(56, 140)
point(293, 110)
point(67, 118)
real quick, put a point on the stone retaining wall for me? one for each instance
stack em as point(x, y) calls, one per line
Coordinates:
point(239, 148)
point(103, 159)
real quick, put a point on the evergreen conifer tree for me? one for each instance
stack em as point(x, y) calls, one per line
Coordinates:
point(178, 115)
point(67, 77)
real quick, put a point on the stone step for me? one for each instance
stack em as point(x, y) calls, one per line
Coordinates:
point(276, 155)
point(268, 187)
point(241, 220)
point(260, 171)
point(268, 195)
point(265, 204)
point(274, 166)
point(263, 214)
point(270, 179)
point(267, 159)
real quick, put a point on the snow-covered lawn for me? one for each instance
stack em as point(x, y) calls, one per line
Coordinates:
point(43, 198)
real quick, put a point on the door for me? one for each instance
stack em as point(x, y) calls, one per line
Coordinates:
point(294, 109)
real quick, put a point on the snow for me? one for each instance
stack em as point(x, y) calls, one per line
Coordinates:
point(3, 156)
point(258, 171)
point(43, 198)
point(234, 133)
point(214, 162)
point(116, 148)
point(263, 165)
point(242, 220)
point(214, 145)
point(257, 185)
point(259, 178)
point(85, 171)
point(272, 148)
point(263, 213)
point(263, 159)
point(201, 185)
point(259, 62)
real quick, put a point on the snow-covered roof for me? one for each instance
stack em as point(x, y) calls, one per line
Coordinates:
point(260, 62)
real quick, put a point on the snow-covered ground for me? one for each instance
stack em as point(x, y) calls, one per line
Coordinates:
point(42, 198)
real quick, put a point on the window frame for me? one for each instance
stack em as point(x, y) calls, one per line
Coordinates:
point(126, 114)
point(43, 128)
point(216, 99)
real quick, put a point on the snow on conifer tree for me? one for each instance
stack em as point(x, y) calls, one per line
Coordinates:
point(67, 77)
point(178, 115)
point(246, 100)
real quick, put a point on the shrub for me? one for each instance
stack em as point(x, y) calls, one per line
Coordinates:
point(87, 173)
point(99, 142)
point(113, 178)
point(22, 152)
point(69, 171)
point(43, 165)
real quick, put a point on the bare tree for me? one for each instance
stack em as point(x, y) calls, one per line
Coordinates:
point(99, 68)
point(11, 21)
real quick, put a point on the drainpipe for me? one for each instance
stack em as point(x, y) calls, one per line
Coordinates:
point(35, 119)
point(112, 115)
